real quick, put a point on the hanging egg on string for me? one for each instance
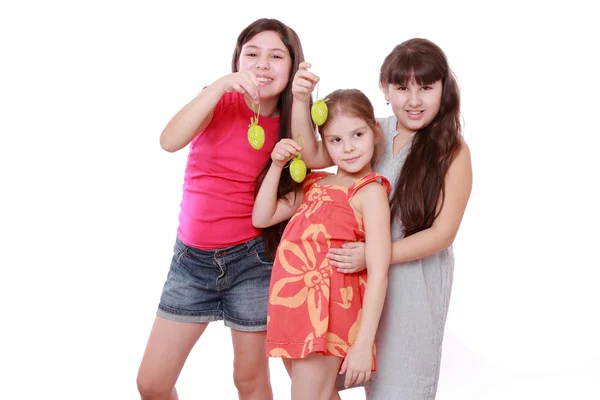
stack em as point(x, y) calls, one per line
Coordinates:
point(256, 134)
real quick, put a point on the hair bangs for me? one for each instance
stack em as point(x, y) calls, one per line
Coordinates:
point(412, 60)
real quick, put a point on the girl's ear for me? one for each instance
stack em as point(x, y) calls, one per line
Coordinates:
point(386, 92)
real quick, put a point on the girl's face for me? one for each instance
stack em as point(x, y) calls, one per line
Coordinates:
point(414, 105)
point(350, 143)
point(267, 57)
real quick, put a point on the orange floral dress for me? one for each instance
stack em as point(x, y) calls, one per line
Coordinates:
point(312, 307)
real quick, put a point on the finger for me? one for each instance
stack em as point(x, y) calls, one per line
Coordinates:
point(350, 378)
point(340, 258)
point(343, 367)
point(250, 90)
point(303, 83)
point(250, 84)
point(339, 252)
point(283, 154)
point(304, 65)
point(359, 378)
point(238, 88)
point(351, 245)
point(347, 270)
point(344, 266)
point(252, 78)
point(291, 144)
point(291, 147)
point(368, 376)
point(307, 76)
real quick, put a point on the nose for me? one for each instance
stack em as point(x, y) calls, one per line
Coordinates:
point(415, 98)
point(263, 63)
point(348, 146)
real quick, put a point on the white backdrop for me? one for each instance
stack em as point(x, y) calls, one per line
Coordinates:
point(89, 201)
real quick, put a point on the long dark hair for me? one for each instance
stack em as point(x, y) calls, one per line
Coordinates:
point(290, 39)
point(420, 184)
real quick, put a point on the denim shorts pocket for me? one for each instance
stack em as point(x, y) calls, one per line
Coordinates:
point(257, 251)
point(179, 251)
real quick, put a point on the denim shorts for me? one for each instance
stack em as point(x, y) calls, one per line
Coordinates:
point(230, 284)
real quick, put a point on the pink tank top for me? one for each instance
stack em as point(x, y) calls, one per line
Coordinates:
point(218, 188)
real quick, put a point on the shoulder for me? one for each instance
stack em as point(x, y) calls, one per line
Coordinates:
point(371, 199)
point(229, 103)
point(460, 170)
point(463, 156)
point(464, 147)
point(372, 178)
point(372, 191)
point(382, 181)
point(314, 177)
point(232, 98)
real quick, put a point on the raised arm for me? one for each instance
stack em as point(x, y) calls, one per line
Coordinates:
point(197, 114)
point(268, 209)
point(372, 202)
point(313, 152)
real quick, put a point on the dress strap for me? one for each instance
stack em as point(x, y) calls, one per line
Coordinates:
point(314, 177)
point(372, 177)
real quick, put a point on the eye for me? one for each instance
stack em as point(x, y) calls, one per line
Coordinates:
point(426, 87)
point(250, 54)
point(358, 134)
point(401, 88)
point(278, 57)
point(334, 140)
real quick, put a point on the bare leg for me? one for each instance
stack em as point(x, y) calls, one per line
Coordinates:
point(287, 363)
point(335, 395)
point(251, 365)
point(168, 347)
point(313, 377)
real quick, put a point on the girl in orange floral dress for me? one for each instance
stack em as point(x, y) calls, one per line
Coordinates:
point(321, 320)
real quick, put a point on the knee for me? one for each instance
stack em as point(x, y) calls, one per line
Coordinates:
point(153, 389)
point(251, 378)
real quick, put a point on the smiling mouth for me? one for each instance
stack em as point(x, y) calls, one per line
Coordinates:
point(264, 80)
point(414, 112)
point(351, 160)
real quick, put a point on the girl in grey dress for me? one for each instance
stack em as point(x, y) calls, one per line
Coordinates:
point(429, 166)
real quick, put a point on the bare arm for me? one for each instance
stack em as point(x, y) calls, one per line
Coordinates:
point(439, 236)
point(314, 153)
point(458, 180)
point(372, 202)
point(378, 243)
point(268, 210)
point(197, 114)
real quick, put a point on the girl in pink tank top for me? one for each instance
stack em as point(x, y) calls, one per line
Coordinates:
point(221, 267)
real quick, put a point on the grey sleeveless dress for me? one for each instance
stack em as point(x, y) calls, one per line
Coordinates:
point(409, 337)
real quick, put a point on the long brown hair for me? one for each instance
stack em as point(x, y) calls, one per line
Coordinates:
point(420, 185)
point(290, 39)
point(354, 103)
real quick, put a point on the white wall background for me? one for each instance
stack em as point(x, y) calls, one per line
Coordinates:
point(89, 201)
